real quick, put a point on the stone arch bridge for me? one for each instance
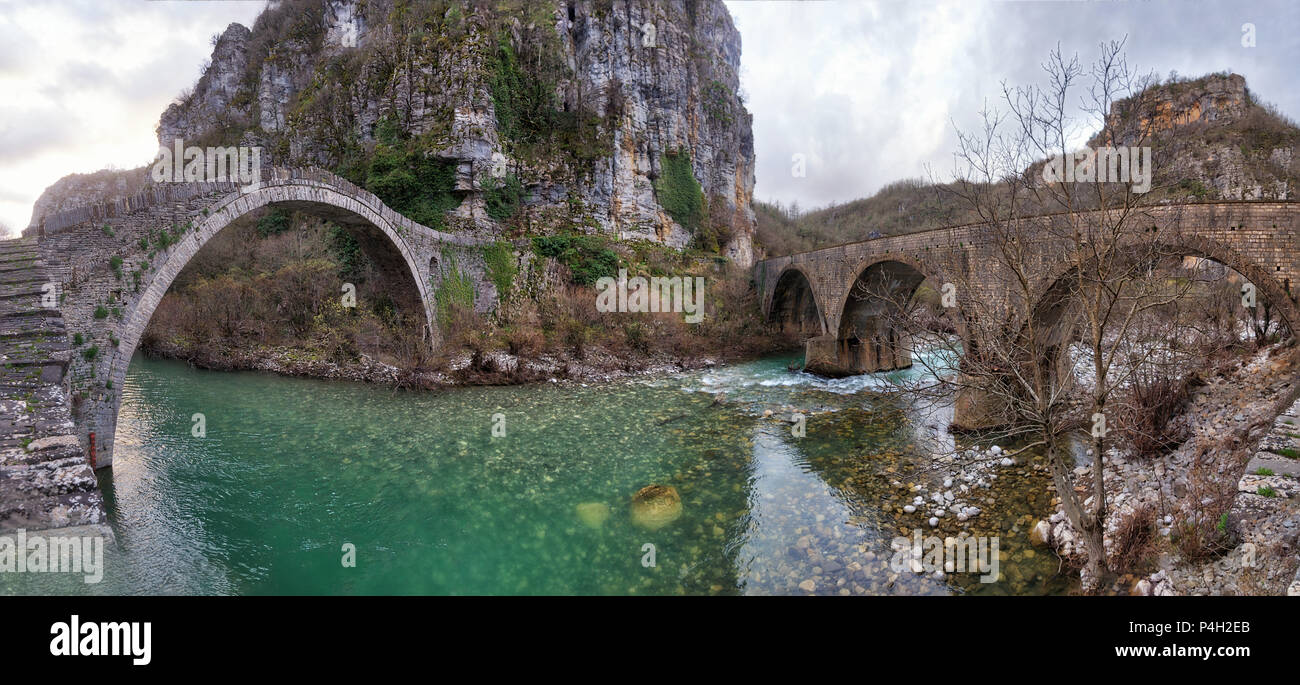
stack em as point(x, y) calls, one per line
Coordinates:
point(812, 292)
point(109, 266)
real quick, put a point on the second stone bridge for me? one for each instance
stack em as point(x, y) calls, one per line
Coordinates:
point(813, 293)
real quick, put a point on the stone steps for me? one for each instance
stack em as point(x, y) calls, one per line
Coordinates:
point(22, 276)
point(45, 478)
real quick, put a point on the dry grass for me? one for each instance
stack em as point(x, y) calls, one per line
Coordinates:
point(1133, 542)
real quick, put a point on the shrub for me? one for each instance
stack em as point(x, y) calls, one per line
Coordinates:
point(499, 258)
point(523, 341)
point(456, 292)
point(78, 339)
point(1133, 539)
point(164, 239)
point(115, 264)
point(678, 192)
point(503, 197)
point(1150, 405)
point(90, 352)
point(275, 222)
point(401, 173)
point(1207, 531)
point(101, 312)
point(587, 257)
point(576, 335)
point(636, 335)
point(347, 251)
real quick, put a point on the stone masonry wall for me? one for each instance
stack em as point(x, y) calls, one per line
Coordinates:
point(46, 480)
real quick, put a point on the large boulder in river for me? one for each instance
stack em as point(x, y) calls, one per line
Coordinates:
point(656, 506)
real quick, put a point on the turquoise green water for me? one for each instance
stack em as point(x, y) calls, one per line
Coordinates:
point(292, 470)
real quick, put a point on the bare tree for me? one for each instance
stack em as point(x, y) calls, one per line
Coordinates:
point(1053, 283)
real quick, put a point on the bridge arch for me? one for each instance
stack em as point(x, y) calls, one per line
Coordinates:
point(296, 193)
point(794, 302)
point(1054, 295)
point(861, 337)
point(398, 247)
point(898, 274)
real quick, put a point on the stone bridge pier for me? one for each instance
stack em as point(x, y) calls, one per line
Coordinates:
point(112, 263)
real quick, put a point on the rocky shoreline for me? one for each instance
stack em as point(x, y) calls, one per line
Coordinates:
point(462, 369)
point(1243, 427)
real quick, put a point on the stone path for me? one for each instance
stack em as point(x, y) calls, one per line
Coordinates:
point(46, 480)
point(1274, 470)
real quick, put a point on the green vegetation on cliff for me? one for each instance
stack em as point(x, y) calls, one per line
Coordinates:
point(503, 197)
point(532, 124)
point(678, 191)
point(401, 171)
point(499, 258)
point(588, 257)
point(455, 293)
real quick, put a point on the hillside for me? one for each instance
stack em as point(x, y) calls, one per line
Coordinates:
point(1219, 143)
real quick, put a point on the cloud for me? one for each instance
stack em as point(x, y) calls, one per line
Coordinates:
point(871, 92)
point(95, 106)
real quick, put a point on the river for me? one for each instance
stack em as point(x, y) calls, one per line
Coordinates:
point(310, 487)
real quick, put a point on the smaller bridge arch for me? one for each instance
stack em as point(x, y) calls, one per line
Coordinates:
point(1056, 288)
point(794, 305)
point(865, 335)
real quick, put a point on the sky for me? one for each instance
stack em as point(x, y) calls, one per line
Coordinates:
point(873, 92)
point(82, 83)
point(868, 92)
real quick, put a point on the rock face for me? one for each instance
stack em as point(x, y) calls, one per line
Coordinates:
point(217, 89)
point(1218, 142)
point(76, 190)
point(1219, 98)
point(640, 81)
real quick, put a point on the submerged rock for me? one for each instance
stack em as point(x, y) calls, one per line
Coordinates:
point(655, 506)
point(593, 514)
point(1041, 533)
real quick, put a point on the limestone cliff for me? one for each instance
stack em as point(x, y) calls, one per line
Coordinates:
point(614, 116)
point(1218, 143)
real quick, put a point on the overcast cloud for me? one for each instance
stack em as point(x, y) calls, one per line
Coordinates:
point(867, 91)
point(83, 83)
